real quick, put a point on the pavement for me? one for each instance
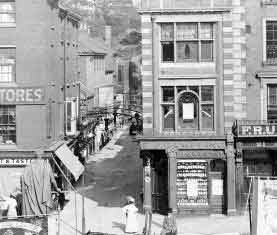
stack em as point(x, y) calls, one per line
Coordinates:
point(113, 173)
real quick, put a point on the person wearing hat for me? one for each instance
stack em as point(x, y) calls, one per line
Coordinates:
point(130, 213)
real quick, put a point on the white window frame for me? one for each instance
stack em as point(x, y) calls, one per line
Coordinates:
point(265, 61)
point(264, 95)
point(8, 24)
point(74, 115)
point(191, 82)
point(200, 61)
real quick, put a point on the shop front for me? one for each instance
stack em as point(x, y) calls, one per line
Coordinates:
point(256, 155)
point(189, 176)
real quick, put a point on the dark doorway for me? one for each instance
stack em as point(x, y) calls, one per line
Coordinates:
point(160, 183)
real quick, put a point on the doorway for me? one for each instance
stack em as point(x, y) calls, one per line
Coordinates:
point(160, 183)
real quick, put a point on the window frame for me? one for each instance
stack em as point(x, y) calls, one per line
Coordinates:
point(176, 108)
point(13, 72)
point(265, 60)
point(13, 107)
point(8, 24)
point(198, 40)
point(73, 101)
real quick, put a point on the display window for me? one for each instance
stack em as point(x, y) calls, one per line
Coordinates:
point(192, 183)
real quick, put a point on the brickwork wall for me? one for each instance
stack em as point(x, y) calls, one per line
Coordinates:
point(234, 46)
point(147, 80)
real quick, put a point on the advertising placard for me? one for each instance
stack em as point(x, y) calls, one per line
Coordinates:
point(264, 211)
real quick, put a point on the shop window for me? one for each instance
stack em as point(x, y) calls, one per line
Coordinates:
point(7, 124)
point(194, 109)
point(7, 12)
point(7, 65)
point(194, 42)
point(271, 41)
point(272, 103)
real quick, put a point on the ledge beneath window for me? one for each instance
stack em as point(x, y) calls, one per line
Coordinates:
point(270, 62)
point(267, 74)
point(7, 25)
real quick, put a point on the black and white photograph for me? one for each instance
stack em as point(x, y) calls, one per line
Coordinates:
point(138, 117)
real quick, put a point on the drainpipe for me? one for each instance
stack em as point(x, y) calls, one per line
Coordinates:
point(64, 72)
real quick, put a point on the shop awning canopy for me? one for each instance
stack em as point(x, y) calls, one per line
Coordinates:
point(202, 154)
point(70, 161)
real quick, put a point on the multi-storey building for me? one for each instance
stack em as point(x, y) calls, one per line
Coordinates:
point(255, 131)
point(194, 87)
point(38, 74)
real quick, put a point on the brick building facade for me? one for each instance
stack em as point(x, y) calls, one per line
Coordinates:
point(38, 71)
point(194, 88)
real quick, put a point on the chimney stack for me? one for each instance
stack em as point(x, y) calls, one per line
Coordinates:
point(108, 36)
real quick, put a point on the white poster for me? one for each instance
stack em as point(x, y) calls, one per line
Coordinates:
point(264, 211)
point(188, 111)
point(217, 187)
point(192, 187)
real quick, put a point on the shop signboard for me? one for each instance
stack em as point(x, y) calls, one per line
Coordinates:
point(264, 208)
point(22, 95)
point(24, 226)
point(262, 130)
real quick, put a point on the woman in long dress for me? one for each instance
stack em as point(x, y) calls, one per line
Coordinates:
point(130, 212)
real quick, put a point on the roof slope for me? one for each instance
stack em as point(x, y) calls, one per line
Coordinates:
point(91, 46)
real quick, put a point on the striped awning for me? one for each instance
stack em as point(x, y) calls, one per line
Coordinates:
point(202, 154)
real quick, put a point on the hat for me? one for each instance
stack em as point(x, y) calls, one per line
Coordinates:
point(130, 199)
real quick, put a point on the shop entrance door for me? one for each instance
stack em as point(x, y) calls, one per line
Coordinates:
point(160, 185)
point(217, 192)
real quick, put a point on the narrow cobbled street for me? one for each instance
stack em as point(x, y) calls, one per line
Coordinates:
point(114, 172)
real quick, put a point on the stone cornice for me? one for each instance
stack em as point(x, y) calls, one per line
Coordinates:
point(266, 74)
point(184, 11)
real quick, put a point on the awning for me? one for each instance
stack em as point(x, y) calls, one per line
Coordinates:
point(202, 154)
point(70, 161)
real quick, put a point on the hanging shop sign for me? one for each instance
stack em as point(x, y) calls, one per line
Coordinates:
point(264, 207)
point(23, 226)
point(22, 95)
point(257, 130)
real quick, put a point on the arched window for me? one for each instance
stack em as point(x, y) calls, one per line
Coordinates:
point(188, 111)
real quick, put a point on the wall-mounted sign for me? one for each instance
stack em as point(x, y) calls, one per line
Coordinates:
point(15, 161)
point(188, 111)
point(217, 187)
point(257, 130)
point(22, 95)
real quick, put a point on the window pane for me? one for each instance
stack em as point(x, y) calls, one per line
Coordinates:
point(167, 32)
point(206, 50)
point(272, 94)
point(271, 39)
point(186, 31)
point(168, 94)
point(207, 93)
point(187, 51)
point(206, 31)
point(207, 117)
point(7, 125)
point(168, 117)
point(168, 51)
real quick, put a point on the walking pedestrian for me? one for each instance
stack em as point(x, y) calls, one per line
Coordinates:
point(130, 213)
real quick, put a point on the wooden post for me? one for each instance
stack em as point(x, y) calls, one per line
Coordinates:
point(231, 191)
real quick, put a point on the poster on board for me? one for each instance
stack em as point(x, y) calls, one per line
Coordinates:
point(264, 207)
